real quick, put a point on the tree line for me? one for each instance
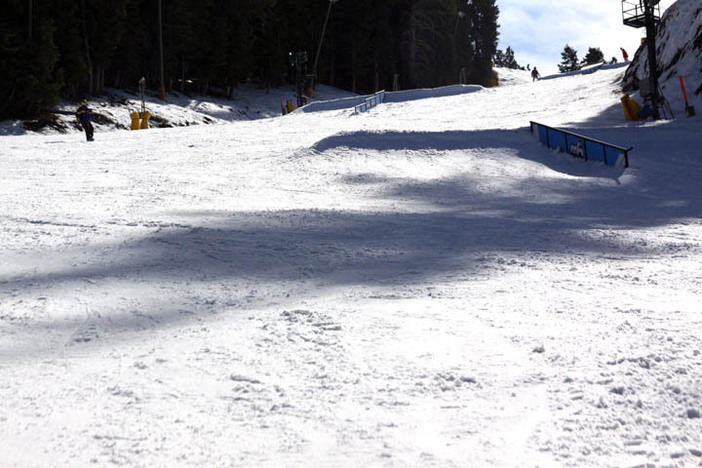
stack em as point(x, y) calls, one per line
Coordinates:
point(570, 61)
point(54, 49)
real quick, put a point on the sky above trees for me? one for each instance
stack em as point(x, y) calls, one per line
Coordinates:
point(539, 29)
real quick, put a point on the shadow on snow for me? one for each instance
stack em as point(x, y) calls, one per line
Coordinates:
point(462, 237)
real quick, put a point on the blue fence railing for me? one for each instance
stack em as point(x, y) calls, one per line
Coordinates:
point(370, 103)
point(581, 146)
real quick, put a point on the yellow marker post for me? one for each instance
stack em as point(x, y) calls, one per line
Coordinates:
point(145, 116)
point(631, 108)
point(135, 120)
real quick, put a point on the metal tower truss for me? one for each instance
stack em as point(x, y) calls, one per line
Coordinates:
point(640, 14)
point(637, 13)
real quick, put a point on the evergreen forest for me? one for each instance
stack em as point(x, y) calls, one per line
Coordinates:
point(60, 49)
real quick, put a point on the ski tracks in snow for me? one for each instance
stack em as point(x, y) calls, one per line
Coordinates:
point(337, 290)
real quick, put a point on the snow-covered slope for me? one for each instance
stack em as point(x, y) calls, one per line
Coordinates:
point(679, 53)
point(509, 77)
point(247, 103)
point(423, 285)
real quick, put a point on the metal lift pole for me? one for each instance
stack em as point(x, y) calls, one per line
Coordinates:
point(651, 30)
point(646, 13)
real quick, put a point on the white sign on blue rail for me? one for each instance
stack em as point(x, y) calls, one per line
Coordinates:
point(581, 146)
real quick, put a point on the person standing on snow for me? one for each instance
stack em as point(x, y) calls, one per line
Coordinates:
point(535, 74)
point(624, 54)
point(83, 115)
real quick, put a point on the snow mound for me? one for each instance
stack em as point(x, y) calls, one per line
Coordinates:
point(586, 70)
point(445, 91)
point(510, 77)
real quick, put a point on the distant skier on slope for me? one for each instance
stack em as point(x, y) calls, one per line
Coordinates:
point(535, 74)
point(624, 54)
point(83, 114)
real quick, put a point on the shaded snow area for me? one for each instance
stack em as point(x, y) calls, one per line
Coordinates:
point(423, 285)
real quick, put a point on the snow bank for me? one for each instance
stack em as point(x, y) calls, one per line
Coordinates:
point(395, 96)
point(446, 91)
point(247, 103)
point(587, 70)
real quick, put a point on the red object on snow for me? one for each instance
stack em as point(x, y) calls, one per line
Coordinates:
point(682, 85)
point(689, 110)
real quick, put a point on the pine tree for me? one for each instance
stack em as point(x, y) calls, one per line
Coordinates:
point(69, 41)
point(594, 55)
point(356, 59)
point(29, 78)
point(104, 25)
point(463, 44)
point(425, 40)
point(509, 60)
point(134, 52)
point(483, 38)
point(569, 61)
point(385, 59)
point(499, 58)
point(11, 49)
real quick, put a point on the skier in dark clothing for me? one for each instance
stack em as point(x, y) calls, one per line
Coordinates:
point(83, 115)
point(535, 74)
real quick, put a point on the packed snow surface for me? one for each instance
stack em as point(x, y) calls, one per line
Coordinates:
point(423, 285)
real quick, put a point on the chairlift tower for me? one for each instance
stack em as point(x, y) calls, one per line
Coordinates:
point(646, 14)
point(299, 61)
